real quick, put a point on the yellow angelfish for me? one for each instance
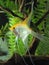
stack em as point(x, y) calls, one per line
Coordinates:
point(21, 29)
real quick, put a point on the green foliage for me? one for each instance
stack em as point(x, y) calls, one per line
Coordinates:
point(38, 12)
point(11, 41)
point(3, 30)
point(43, 47)
point(8, 4)
point(21, 48)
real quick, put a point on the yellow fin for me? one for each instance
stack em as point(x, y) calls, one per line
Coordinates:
point(24, 23)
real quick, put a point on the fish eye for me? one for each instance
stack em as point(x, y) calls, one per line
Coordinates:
point(13, 27)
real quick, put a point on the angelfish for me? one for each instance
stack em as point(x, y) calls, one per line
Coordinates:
point(21, 30)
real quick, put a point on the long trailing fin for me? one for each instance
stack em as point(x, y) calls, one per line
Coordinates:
point(41, 37)
point(26, 45)
point(21, 55)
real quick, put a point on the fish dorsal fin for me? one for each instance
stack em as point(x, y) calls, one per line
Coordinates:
point(28, 19)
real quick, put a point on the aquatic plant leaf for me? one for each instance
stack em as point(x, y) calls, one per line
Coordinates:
point(43, 48)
